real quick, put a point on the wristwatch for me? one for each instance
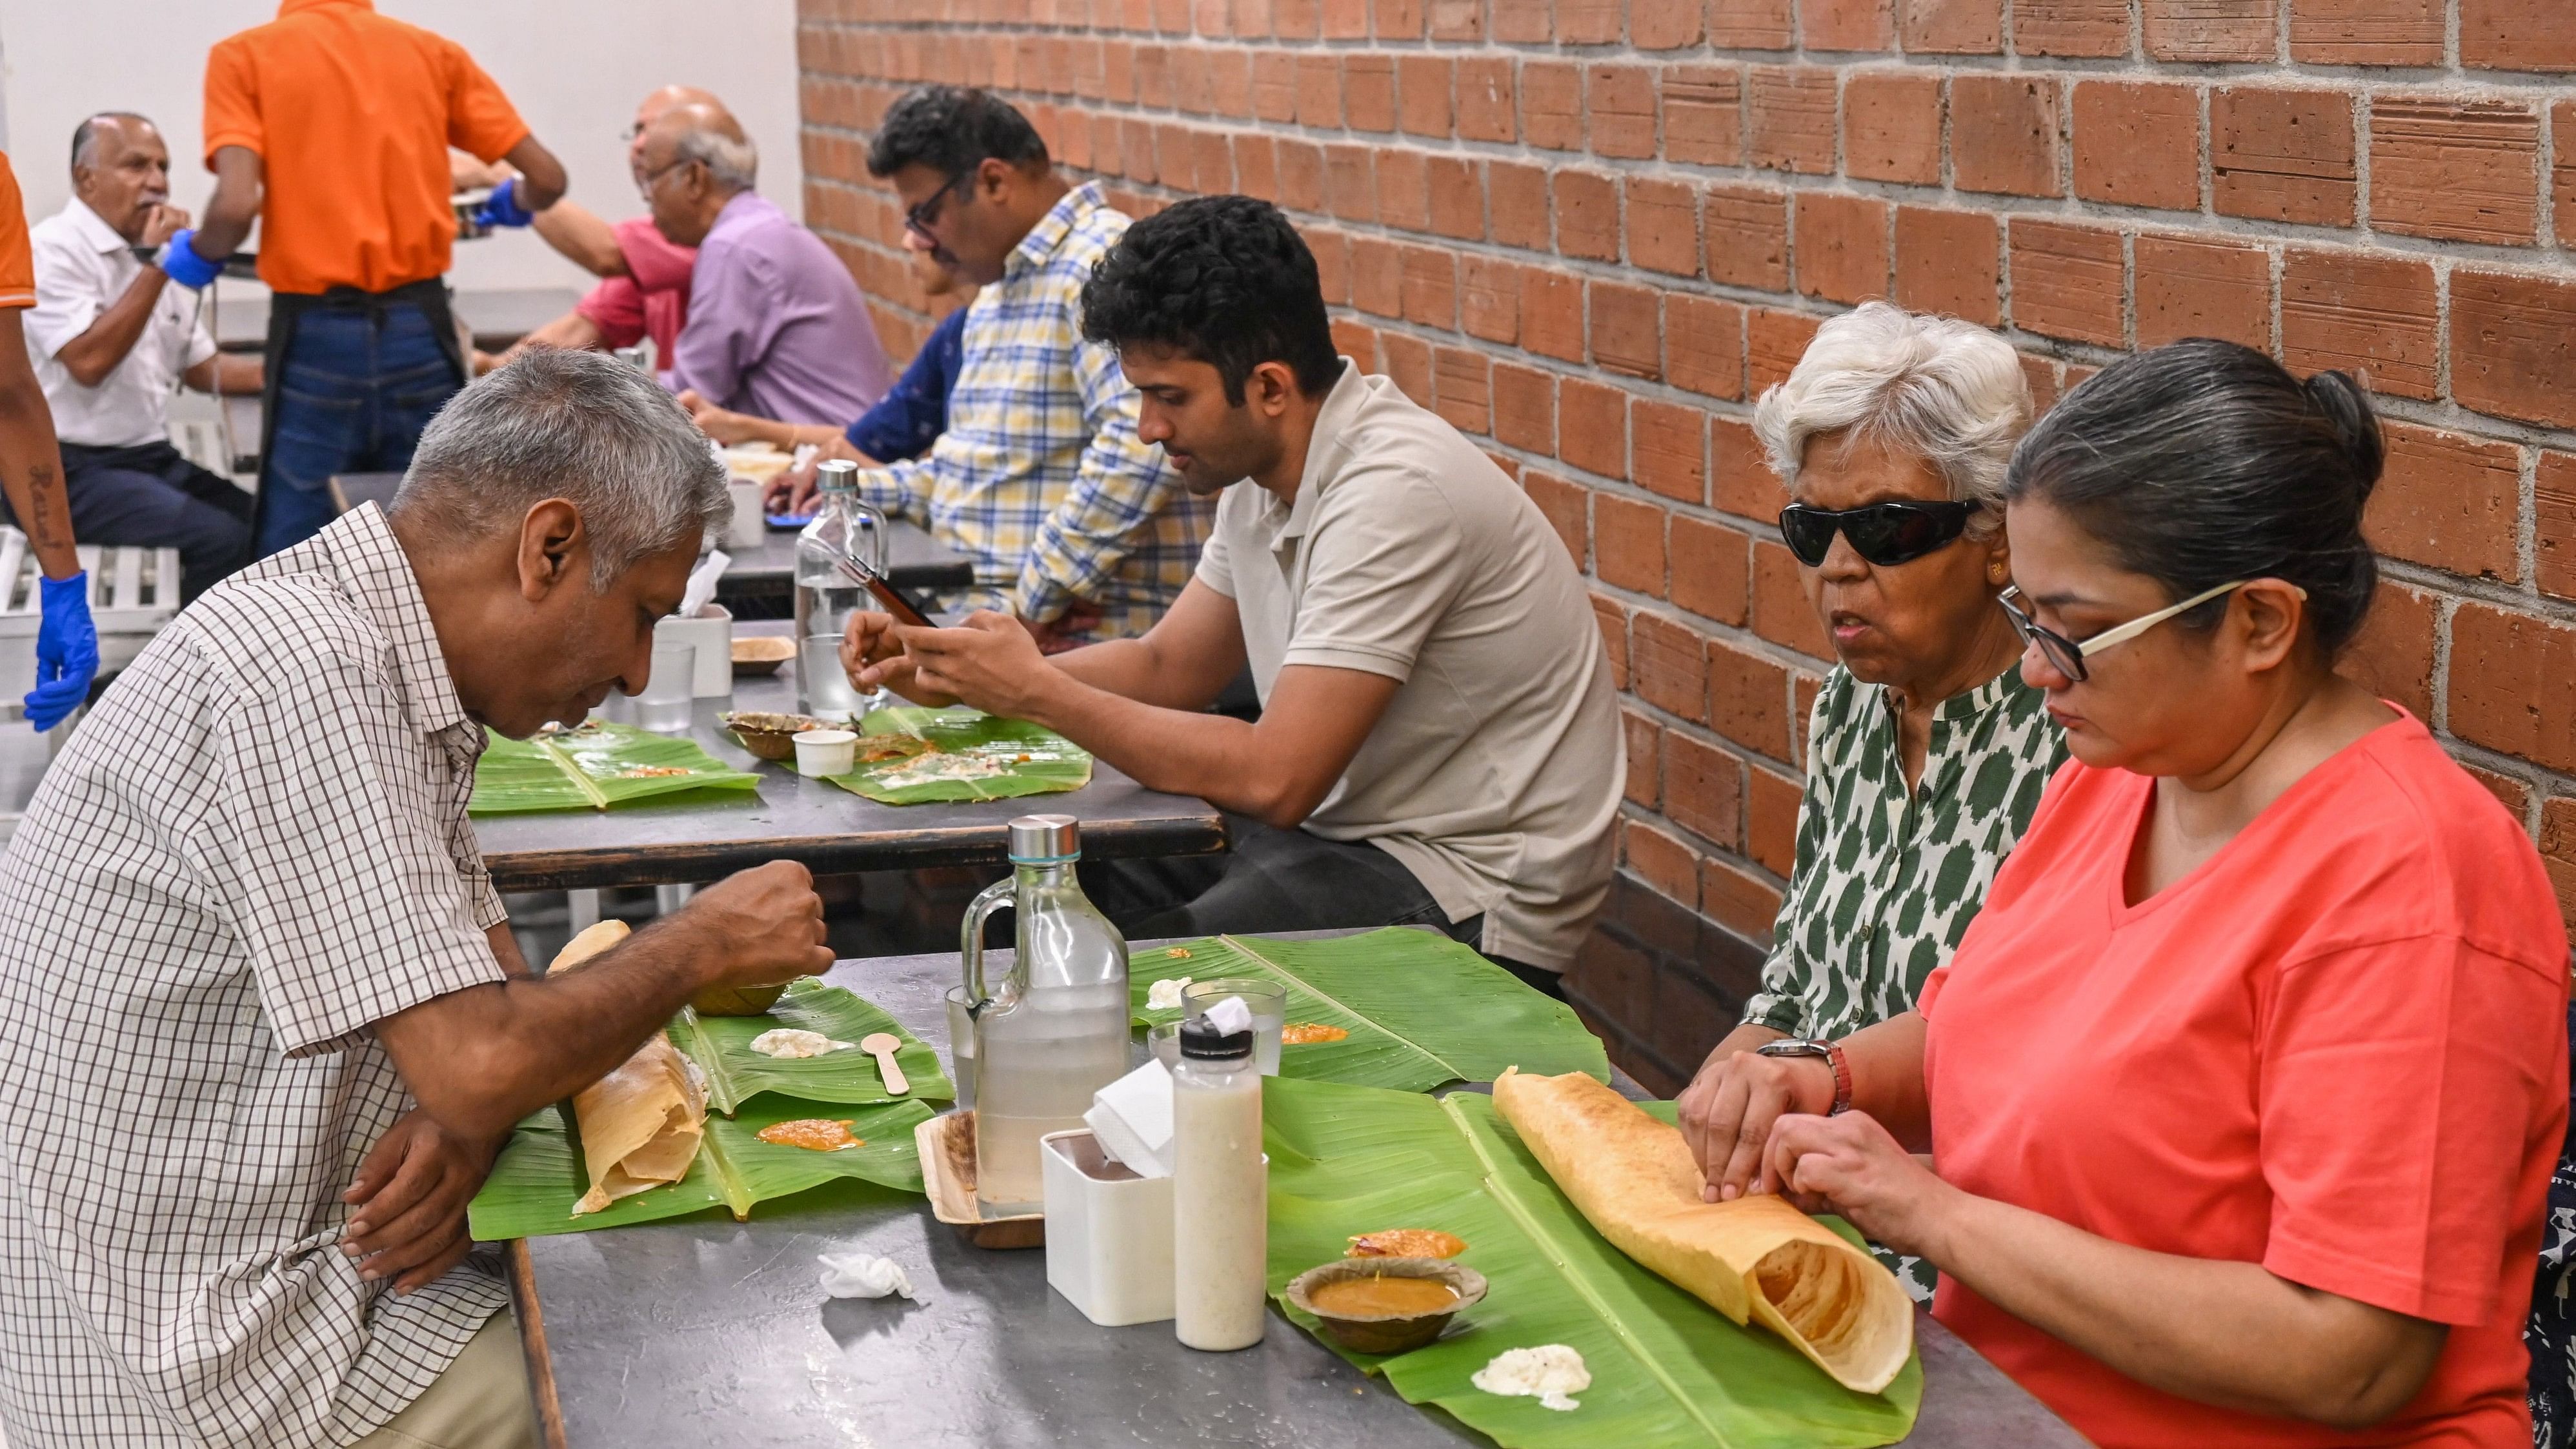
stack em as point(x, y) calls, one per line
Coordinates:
point(1831, 1052)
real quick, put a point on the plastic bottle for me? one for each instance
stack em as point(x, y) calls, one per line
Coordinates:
point(1220, 1189)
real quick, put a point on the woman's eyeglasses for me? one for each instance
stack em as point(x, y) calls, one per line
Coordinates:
point(2067, 656)
point(1882, 533)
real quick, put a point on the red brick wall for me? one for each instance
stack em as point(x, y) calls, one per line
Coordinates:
point(1591, 233)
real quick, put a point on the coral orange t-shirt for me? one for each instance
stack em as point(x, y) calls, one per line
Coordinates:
point(2337, 1048)
point(17, 255)
point(352, 114)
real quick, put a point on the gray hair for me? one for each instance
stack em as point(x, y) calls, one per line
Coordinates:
point(579, 426)
point(734, 163)
point(1948, 391)
point(85, 135)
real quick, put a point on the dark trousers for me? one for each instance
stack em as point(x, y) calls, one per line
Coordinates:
point(147, 496)
point(357, 386)
point(1272, 881)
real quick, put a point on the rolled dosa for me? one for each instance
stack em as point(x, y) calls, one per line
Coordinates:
point(641, 1123)
point(1755, 1257)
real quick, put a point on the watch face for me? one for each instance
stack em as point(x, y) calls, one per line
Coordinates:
point(1792, 1049)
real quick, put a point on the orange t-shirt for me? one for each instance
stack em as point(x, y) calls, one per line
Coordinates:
point(2338, 1048)
point(17, 258)
point(352, 114)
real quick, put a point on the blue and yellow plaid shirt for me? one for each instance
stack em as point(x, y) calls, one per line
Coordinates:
point(1040, 477)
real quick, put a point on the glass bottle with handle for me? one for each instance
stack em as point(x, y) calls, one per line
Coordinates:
point(843, 528)
point(1054, 1030)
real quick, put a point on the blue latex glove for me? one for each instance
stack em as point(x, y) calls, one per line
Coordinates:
point(185, 266)
point(502, 207)
point(66, 651)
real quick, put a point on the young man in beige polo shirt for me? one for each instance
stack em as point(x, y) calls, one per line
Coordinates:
point(1437, 742)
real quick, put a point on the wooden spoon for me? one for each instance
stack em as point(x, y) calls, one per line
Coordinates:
point(881, 1045)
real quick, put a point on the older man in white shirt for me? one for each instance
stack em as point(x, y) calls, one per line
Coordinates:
point(111, 341)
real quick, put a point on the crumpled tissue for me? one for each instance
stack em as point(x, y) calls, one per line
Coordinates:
point(865, 1275)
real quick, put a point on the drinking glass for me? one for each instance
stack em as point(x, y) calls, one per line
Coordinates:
point(1269, 1003)
point(961, 1044)
point(1163, 1043)
point(668, 700)
point(828, 694)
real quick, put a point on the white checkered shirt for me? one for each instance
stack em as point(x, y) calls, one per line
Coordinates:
point(252, 849)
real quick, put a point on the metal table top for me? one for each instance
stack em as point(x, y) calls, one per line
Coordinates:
point(816, 822)
point(715, 1333)
point(914, 560)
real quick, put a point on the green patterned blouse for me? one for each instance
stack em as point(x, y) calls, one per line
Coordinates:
point(1886, 880)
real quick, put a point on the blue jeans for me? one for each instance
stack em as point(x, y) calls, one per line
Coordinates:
point(357, 388)
point(147, 496)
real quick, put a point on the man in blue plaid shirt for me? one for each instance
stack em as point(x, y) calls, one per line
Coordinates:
point(1075, 526)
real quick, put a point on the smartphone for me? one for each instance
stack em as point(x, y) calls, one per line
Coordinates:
point(903, 609)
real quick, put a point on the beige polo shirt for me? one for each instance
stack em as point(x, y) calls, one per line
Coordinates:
point(1495, 773)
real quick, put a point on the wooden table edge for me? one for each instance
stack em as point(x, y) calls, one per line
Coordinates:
point(584, 868)
point(542, 1399)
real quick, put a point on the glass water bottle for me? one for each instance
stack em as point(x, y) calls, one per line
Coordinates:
point(843, 527)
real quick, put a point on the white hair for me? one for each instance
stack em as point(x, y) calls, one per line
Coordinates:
point(734, 163)
point(1945, 390)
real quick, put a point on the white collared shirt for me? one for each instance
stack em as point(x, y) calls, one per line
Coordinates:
point(82, 267)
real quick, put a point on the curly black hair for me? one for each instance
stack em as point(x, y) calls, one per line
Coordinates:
point(952, 130)
point(1223, 279)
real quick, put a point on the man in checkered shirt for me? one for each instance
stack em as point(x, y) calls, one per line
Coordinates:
point(263, 1021)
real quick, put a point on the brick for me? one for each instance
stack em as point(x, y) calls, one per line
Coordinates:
point(2562, 169)
point(1552, 313)
point(1802, 709)
point(2282, 155)
point(1711, 568)
point(1949, 262)
point(2366, 32)
point(1613, 618)
point(1565, 505)
point(1951, 27)
point(1628, 543)
point(1627, 331)
point(1791, 118)
point(2557, 854)
point(1662, 223)
point(1332, 251)
point(2513, 684)
point(1703, 789)
point(2513, 346)
point(1301, 176)
point(1670, 454)
point(1350, 185)
point(1846, 24)
point(1552, 105)
point(1748, 698)
point(1771, 820)
point(1457, 20)
point(1396, 19)
point(1892, 127)
point(1356, 341)
point(1404, 188)
point(2067, 282)
point(2512, 794)
point(1619, 104)
point(1740, 478)
point(1704, 345)
point(2373, 315)
point(1517, 195)
point(1738, 900)
point(2071, 27)
point(2004, 134)
point(1782, 611)
point(2393, 655)
point(1670, 667)
point(2138, 144)
point(1485, 99)
point(1525, 411)
point(1703, 113)
point(2455, 170)
point(1523, 22)
point(1587, 215)
point(1462, 381)
point(2448, 501)
point(1749, 24)
point(1319, 91)
point(1422, 84)
point(1645, 762)
point(1841, 246)
point(1661, 861)
point(1430, 287)
point(1377, 276)
point(2189, 287)
point(1774, 340)
point(1256, 166)
point(2554, 524)
point(1664, 24)
point(1457, 193)
point(1593, 426)
point(2518, 35)
point(1587, 22)
point(1489, 298)
point(1408, 365)
point(1748, 237)
point(2214, 31)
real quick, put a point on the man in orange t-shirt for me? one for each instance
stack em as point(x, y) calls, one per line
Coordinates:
point(330, 126)
point(31, 476)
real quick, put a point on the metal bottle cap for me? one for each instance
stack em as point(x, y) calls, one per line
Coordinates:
point(1045, 839)
point(837, 473)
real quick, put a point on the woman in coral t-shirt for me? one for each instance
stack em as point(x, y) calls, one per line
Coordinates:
point(2244, 1090)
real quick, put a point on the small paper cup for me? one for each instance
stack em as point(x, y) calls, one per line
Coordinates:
point(822, 753)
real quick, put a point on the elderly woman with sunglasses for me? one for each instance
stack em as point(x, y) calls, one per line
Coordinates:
point(2244, 1090)
point(1926, 753)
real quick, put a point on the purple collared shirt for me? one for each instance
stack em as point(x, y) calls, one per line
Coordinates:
point(776, 327)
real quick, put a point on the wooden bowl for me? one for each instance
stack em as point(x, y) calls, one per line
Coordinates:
point(947, 1145)
point(1386, 1333)
point(736, 1000)
point(757, 654)
point(770, 736)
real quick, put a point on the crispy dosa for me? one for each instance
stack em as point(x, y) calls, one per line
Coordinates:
point(1755, 1257)
point(641, 1123)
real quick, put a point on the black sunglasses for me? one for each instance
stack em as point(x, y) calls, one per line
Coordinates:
point(926, 215)
point(1882, 533)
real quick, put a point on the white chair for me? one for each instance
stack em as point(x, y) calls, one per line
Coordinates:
point(132, 593)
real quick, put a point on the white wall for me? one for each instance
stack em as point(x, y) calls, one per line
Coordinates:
point(574, 68)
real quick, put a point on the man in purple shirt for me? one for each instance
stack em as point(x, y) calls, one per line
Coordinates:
point(776, 327)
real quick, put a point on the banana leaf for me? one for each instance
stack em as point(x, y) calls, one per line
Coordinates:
point(1033, 760)
point(721, 1046)
point(1420, 1008)
point(539, 1175)
point(1667, 1369)
point(593, 769)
